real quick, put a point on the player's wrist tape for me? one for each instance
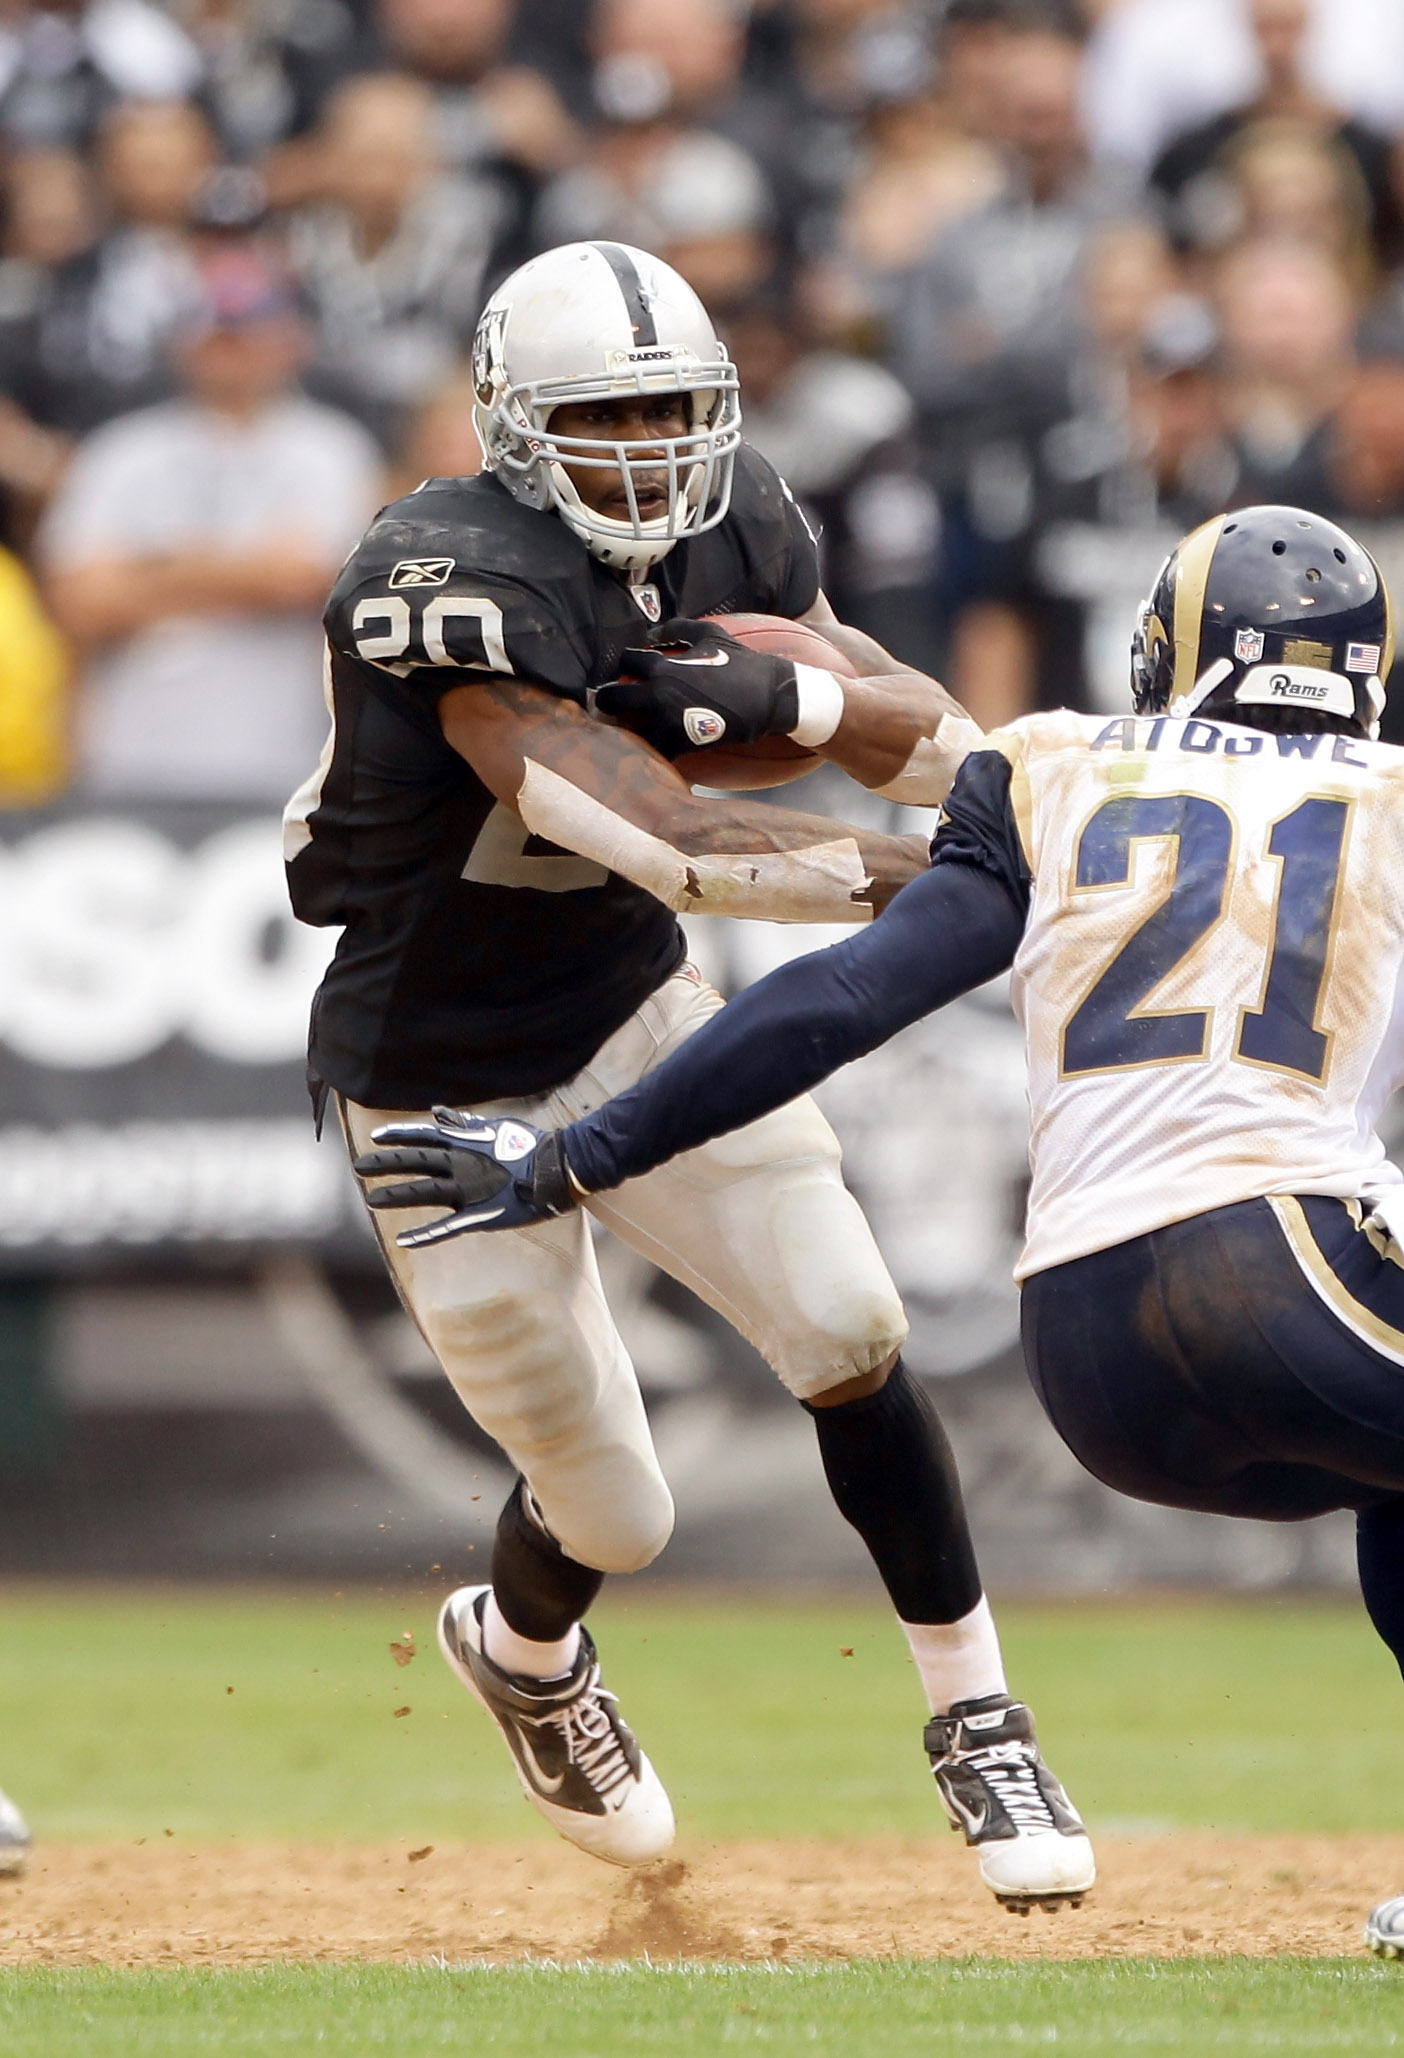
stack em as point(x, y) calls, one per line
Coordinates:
point(820, 706)
point(927, 776)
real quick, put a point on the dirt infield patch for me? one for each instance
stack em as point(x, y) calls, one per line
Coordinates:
point(250, 1904)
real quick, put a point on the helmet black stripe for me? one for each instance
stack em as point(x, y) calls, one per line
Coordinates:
point(631, 286)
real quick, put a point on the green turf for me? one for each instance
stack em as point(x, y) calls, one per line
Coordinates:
point(1237, 2006)
point(116, 1719)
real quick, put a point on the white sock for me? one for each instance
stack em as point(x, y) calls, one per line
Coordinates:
point(519, 1654)
point(958, 1661)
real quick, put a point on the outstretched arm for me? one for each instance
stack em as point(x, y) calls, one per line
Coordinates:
point(606, 794)
point(944, 935)
point(948, 932)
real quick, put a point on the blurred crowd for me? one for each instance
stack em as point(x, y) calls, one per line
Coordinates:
point(1018, 289)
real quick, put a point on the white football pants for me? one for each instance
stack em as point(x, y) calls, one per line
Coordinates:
point(759, 1224)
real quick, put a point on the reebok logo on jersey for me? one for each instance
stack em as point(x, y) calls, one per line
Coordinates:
point(421, 571)
point(704, 725)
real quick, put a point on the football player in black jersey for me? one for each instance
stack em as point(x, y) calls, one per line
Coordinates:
point(508, 867)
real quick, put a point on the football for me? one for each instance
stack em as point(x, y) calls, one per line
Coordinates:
point(775, 760)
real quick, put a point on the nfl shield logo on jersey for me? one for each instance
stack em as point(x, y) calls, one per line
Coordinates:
point(647, 600)
point(421, 571)
point(1248, 646)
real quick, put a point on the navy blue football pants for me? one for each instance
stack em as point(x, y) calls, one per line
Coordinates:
point(1249, 1361)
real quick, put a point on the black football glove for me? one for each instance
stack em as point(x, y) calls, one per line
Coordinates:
point(489, 1171)
point(696, 686)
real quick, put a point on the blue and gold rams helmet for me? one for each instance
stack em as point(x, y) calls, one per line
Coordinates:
point(1271, 607)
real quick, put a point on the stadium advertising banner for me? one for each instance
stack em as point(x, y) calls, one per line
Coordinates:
point(154, 991)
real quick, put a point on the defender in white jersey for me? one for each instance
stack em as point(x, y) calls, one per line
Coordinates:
point(1203, 908)
point(1209, 975)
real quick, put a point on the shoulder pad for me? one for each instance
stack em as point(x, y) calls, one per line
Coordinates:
point(773, 537)
point(759, 495)
point(1054, 729)
point(460, 575)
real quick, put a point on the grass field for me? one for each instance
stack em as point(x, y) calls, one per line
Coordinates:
point(117, 1723)
point(871, 2011)
point(116, 1717)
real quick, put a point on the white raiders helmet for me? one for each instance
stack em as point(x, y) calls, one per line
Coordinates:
point(590, 321)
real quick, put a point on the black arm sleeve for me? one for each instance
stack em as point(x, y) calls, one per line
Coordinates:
point(951, 930)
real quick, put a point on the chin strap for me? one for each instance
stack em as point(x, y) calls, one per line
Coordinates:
point(1206, 684)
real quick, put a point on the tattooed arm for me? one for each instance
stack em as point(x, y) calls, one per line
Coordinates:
point(901, 734)
point(604, 793)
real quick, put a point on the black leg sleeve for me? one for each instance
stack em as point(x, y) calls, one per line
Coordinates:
point(540, 1591)
point(893, 1476)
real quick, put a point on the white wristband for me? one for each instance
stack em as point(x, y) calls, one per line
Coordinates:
point(820, 706)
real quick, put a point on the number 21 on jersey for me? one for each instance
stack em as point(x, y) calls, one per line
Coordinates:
point(1113, 1029)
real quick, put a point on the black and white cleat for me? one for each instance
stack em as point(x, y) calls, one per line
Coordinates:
point(995, 1787)
point(577, 1759)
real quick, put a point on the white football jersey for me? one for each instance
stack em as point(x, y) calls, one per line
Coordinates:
point(1211, 976)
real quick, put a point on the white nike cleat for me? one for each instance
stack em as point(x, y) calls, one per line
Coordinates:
point(1032, 1847)
point(576, 1757)
point(14, 1838)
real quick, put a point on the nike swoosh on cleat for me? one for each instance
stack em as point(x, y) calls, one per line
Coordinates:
point(545, 1783)
point(973, 1823)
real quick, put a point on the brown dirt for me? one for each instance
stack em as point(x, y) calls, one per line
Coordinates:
point(250, 1904)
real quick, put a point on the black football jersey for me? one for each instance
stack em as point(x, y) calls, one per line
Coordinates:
point(478, 962)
